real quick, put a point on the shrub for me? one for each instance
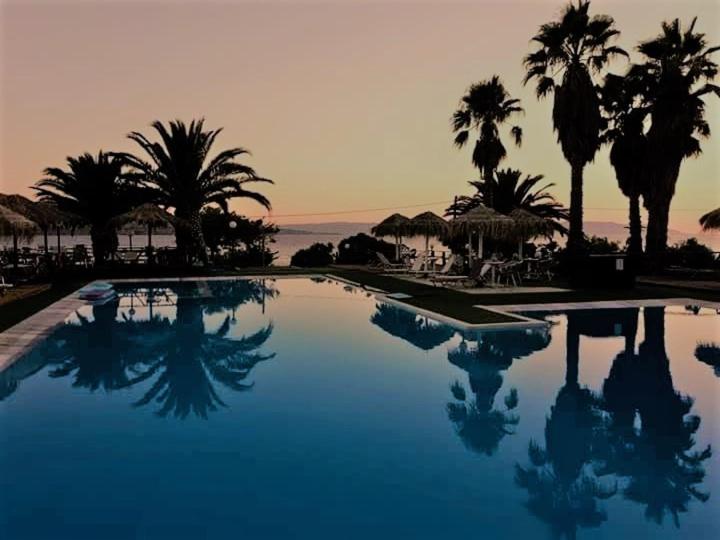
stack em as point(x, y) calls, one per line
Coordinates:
point(316, 255)
point(362, 248)
point(247, 242)
point(691, 254)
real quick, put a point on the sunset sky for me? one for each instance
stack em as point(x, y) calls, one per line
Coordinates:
point(345, 104)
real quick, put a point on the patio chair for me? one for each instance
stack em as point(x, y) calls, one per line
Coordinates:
point(387, 265)
point(510, 272)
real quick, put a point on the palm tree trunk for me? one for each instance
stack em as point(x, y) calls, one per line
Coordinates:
point(104, 242)
point(572, 352)
point(575, 235)
point(635, 244)
point(489, 194)
point(657, 232)
point(198, 247)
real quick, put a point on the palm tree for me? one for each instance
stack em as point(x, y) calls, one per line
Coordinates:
point(677, 72)
point(181, 175)
point(628, 151)
point(484, 108)
point(570, 51)
point(94, 190)
point(511, 191)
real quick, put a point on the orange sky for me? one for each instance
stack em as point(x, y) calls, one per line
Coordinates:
point(346, 104)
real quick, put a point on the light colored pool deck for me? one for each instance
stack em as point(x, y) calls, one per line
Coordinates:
point(606, 304)
point(17, 339)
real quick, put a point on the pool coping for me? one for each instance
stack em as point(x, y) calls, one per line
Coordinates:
point(17, 339)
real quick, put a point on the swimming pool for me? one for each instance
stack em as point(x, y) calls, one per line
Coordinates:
point(308, 408)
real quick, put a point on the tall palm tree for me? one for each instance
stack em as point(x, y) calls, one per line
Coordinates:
point(677, 71)
point(181, 175)
point(570, 50)
point(484, 107)
point(510, 191)
point(628, 152)
point(93, 189)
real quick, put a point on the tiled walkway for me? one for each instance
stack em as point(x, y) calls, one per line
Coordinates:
point(17, 339)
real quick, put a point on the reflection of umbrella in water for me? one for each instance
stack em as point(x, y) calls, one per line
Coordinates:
point(146, 214)
point(396, 226)
point(415, 329)
point(17, 226)
point(484, 221)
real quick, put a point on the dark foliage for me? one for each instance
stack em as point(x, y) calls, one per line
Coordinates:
point(362, 249)
point(316, 255)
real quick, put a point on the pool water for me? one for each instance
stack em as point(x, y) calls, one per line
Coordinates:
point(306, 408)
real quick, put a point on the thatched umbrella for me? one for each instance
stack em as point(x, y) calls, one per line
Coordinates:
point(15, 225)
point(42, 213)
point(485, 222)
point(145, 214)
point(529, 225)
point(395, 226)
point(711, 220)
point(427, 224)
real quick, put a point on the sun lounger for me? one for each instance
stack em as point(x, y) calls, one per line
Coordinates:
point(445, 270)
point(475, 276)
point(414, 269)
point(387, 265)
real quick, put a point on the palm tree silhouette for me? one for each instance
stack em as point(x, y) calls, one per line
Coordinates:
point(479, 423)
point(94, 190)
point(629, 152)
point(180, 174)
point(569, 51)
point(657, 457)
point(484, 107)
point(192, 360)
point(677, 72)
point(511, 191)
point(562, 492)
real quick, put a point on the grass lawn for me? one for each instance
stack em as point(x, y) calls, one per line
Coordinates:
point(26, 300)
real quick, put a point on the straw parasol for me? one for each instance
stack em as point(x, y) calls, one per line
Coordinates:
point(529, 225)
point(427, 224)
point(485, 222)
point(42, 213)
point(711, 220)
point(146, 214)
point(395, 226)
point(413, 328)
point(15, 225)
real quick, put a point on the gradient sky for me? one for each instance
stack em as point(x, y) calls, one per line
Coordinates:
point(345, 104)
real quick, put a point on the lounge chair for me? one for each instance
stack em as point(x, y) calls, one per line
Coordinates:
point(476, 276)
point(416, 268)
point(387, 265)
point(445, 270)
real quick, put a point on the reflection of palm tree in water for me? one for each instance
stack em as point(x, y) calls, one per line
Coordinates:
point(102, 352)
point(657, 456)
point(479, 423)
point(184, 360)
point(193, 359)
point(562, 491)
